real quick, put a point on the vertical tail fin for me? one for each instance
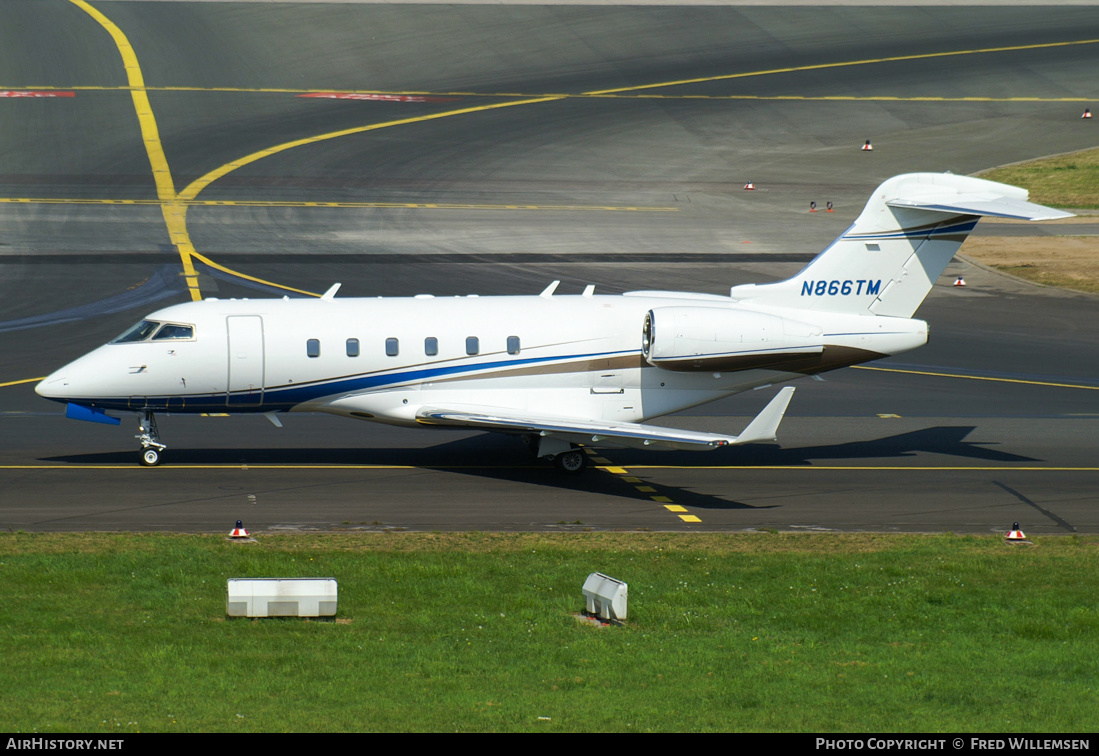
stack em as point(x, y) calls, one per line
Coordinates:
point(891, 256)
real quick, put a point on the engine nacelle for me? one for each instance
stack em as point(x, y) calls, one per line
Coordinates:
point(689, 339)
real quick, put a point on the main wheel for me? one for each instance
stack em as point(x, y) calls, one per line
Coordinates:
point(150, 457)
point(571, 461)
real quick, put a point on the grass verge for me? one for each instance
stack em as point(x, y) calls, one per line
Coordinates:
point(1068, 262)
point(1068, 181)
point(475, 632)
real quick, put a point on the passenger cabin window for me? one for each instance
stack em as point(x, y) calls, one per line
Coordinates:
point(139, 332)
point(173, 331)
point(513, 345)
point(431, 346)
point(472, 345)
point(391, 347)
point(352, 347)
point(313, 347)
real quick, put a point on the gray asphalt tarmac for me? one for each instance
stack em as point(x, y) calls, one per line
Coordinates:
point(590, 173)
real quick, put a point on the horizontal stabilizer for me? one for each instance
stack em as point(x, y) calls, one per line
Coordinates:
point(604, 433)
point(887, 262)
point(981, 204)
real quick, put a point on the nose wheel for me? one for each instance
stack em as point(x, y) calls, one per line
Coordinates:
point(149, 437)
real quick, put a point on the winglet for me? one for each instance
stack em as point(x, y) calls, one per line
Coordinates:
point(765, 426)
point(331, 293)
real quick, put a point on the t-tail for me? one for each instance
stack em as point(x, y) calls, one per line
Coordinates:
point(891, 256)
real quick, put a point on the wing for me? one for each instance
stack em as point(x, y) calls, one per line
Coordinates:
point(603, 433)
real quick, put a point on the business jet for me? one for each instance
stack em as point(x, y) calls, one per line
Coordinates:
point(563, 372)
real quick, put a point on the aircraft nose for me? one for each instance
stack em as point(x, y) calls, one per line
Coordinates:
point(52, 386)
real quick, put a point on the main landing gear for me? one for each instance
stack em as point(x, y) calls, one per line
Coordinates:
point(566, 457)
point(572, 461)
point(149, 437)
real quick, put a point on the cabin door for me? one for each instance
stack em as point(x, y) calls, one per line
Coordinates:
point(245, 387)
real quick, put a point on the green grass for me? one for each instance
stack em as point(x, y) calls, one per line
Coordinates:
point(1070, 181)
point(475, 632)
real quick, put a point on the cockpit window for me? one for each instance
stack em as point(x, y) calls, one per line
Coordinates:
point(147, 328)
point(139, 332)
point(175, 331)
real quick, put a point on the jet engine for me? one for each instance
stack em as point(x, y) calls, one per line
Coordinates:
point(690, 339)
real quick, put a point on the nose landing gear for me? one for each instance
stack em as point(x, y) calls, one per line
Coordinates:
point(149, 437)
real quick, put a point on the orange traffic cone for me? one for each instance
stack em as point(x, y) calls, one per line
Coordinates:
point(1015, 535)
point(959, 282)
point(867, 147)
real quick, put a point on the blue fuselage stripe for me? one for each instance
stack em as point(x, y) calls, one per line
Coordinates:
point(284, 398)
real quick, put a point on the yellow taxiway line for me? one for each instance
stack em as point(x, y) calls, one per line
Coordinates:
point(577, 96)
point(979, 378)
point(849, 63)
point(21, 381)
point(673, 83)
point(175, 214)
point(431, 468)
point(342, 205)
point(192, 190)
point(870, 468)
point(174, 204)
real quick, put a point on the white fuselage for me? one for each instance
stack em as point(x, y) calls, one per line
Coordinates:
point(563, 371)
point(551, 356)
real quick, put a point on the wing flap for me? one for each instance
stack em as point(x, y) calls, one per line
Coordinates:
point(604, 433)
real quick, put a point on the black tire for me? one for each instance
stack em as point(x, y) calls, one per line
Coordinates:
point(150, 457)
point(571, 462)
